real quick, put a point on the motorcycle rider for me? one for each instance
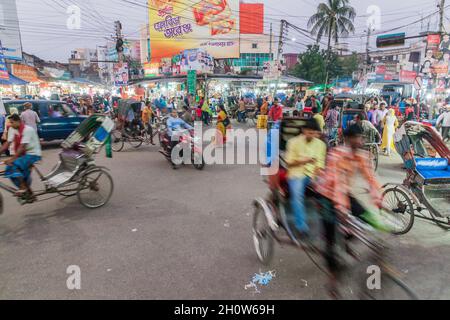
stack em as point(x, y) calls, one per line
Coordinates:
point(175, 126)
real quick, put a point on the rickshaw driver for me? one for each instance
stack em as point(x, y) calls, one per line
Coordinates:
point(305, 157)
point(335, 188)
point(27, 152)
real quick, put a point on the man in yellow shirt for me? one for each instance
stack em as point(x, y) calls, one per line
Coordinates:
point(147, 113)
point(305, 156)
point(319, 118)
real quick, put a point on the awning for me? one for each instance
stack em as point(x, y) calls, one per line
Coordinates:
point(13, 81)
point(292, 79)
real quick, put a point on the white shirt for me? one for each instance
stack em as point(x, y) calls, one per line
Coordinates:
point(30, 138)
point(444, 118)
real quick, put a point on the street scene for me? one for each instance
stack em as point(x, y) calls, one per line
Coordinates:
point(224, 150)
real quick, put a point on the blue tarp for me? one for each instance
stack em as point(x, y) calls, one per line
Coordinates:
point(13, 81)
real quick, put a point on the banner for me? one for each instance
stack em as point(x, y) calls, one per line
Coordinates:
point(24, 72)
point(10, 30)
point(177, 25)
point(3, 70)
point(120, 74)
point(192, 82)
point(193, 59)
point(407, 76)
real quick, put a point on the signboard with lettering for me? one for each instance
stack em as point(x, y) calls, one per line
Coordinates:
point(207, 24)
point(192, 81)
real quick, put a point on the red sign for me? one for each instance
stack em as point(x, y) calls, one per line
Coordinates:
point(251, 18)
point(433, 41)
point(407, 76)
point(380, 69)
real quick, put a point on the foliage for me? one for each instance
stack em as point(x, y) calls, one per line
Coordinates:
point(332, 19)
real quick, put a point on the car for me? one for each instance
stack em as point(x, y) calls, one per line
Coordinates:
point(58, 120)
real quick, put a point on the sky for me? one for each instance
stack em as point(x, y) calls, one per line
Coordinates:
point(44, 29)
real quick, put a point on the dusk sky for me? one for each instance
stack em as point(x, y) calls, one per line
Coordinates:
point(44, 31)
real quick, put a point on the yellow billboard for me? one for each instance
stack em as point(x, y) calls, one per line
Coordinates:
point(176, 25)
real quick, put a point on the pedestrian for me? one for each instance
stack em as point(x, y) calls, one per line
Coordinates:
point(205, 112)
point(187, 115)
point(331, 121)
point(30, 117)
point(223, 124)
point(319, 118)
point(379, 115)
point(3, 131)
point(265, 107)
point(390, 124)
point(276, 111)
point(443, 122)
point(242, 111)
point(146, 117)
point(409, 112)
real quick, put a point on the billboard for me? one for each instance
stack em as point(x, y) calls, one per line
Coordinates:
point(120, 74)
point(189, 60)
point(25, 72)
point(10, 31)
point(251, 18)
point(177, 25)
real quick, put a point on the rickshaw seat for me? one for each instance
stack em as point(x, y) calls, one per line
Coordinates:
point(433, 168)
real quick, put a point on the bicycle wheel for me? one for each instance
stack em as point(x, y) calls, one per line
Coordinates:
point(262, 235)
point(400, 212)
point(95, 188)
point(136, 142)
point(374, 157)
point(117, 142)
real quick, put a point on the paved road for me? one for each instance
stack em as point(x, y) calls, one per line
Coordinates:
point(176, 235)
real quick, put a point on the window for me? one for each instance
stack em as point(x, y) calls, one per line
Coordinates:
point(254, 46)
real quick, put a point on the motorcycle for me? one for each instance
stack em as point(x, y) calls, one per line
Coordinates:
point(186, 141)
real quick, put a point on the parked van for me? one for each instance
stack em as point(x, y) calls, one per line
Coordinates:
point(58, 120)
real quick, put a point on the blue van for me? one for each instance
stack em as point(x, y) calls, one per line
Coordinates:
point(58, 120)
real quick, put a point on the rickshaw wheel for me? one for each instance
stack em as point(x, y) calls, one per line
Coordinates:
point(136, 142)
point(95, 188)
point(1, 203)
point(374, 157)
point(117, 142)
point(262, 235)
point(401, 210)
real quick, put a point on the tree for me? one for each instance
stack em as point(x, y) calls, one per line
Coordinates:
point(311, 65)
point(332, 19)
point(349, 64)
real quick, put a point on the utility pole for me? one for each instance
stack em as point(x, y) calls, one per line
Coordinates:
point(283, 30)
point(271, 37)
point(367, 60)
point(441, 16)
point(119, 40)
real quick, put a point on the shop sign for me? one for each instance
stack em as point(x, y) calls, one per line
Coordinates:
point(407, 76)
point(24, 72)
point(3, 70)
point(192, 81)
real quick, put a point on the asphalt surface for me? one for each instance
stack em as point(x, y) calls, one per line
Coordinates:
point(183, 234)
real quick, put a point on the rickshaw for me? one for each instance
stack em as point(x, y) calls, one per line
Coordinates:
point(132, 133)
point(346, 116)
point(273, 222)
point(76, 173)
point(426, 188)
